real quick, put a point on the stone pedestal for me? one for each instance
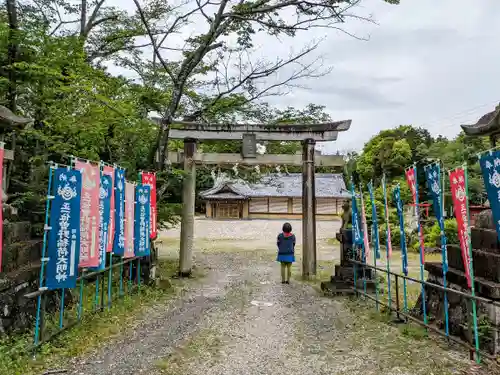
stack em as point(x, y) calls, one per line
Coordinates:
point(342, 282)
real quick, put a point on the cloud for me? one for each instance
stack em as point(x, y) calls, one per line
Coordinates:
point(427, 63)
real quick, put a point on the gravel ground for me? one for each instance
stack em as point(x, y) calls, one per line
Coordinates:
point(241, 320)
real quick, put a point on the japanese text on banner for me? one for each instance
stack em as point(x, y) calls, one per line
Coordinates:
point(149, 178)
point(387, 223)
point(399, 209)
point(459, 197)
point(433, 177)
point(411, 179)
point(142, 222)
point(64, 235)
point(119, 240)
point(375, 239)
point(104, 214)
point(490, 168)
point(366, 243)
point(356, 230)
point(129, 220)
point(110, 171)
point(89, 217)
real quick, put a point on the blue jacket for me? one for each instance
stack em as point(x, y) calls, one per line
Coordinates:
point(286, 244)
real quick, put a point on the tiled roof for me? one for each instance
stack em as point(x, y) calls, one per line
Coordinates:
point(274, 185)
point(487, 124)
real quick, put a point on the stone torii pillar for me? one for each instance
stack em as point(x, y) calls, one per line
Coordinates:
point(308, 134)
point(188, 206)
point(308, 210)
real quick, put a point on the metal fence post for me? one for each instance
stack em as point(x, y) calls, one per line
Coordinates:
point(43, 260)
point(396, 278)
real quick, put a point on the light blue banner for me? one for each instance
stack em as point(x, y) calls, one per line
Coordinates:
point(357, 237)
point(375, 237)
point(119, 242)
point(490, 167)
point(433, 177)
point(399, 209)
point(142, 214)
point(64, 236)
point(104, 215)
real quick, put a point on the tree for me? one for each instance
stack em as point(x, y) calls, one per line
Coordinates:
point(233, 69)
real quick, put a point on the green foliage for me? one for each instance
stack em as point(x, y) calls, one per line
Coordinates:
point(395, 234)
point(433, 234)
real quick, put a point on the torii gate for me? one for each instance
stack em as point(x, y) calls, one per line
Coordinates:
point(308, 134)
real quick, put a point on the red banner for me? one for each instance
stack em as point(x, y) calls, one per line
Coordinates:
point(1, 208)
point(459, 197)
point(129, 220)
point(149, 178)
point(89, 215)
point(110, 171)
point(411, 179)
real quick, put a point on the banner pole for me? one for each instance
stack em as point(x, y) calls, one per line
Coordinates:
point(422, 248)
point(82, 281)
point(375, 240)
point(46, 229)
point(445, 256)
point(98, 279)
point(471, 267)
point(387, 244)
point(363, 219)
point(399, 206)
point(355, 232)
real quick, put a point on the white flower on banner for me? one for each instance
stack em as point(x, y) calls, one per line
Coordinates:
point(235, 169)
point(488, 164)
point(496, 162)
point(435, 188)
point(460, 194)
point(495, 179)
point(67, 192)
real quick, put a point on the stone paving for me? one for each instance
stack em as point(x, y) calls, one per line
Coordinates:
point(240, 319)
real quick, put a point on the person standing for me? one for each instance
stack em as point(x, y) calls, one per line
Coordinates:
point(286, 252)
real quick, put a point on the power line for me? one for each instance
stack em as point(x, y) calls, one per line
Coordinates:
point(458, 115)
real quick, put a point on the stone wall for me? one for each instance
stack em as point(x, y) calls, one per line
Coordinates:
point(20, 273)
point(486, 262)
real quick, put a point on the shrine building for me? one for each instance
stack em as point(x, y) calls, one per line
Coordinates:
point(273, 197)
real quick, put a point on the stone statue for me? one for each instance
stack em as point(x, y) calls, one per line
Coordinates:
point(346, 214)
point(484, 219)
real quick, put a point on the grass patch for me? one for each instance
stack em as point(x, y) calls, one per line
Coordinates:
point(92, 331)
point(413, 331)
point(205, 346)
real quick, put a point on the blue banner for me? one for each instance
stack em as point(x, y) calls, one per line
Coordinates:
point(399, 209)
point(119, 242)
point(357, 238)
point(375, 238)
point(64, 236)
point(104, 215)
point(490, 167)
point(433, 177)
point(142, 213)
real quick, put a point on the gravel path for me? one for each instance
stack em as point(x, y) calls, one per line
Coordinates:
point(241, 320)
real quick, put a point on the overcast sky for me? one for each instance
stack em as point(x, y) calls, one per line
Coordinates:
point(428, 63)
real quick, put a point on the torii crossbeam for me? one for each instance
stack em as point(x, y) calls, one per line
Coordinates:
point(308, 134)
